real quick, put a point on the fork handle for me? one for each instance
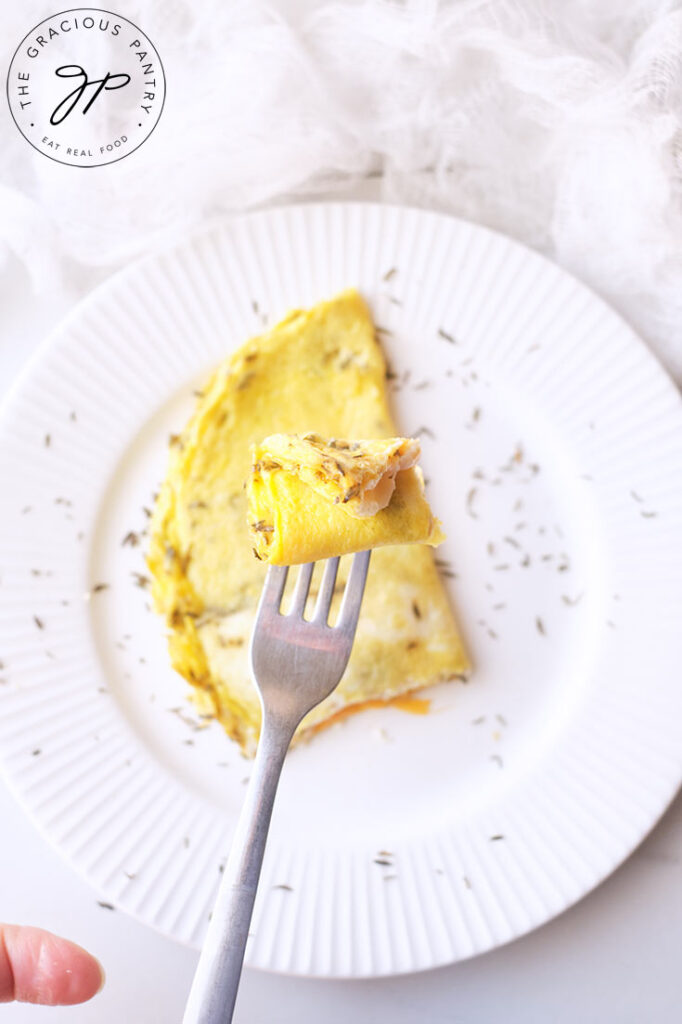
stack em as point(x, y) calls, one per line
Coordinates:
point(214, 989)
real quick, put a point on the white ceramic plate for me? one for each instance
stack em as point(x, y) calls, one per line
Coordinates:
point(553, 448)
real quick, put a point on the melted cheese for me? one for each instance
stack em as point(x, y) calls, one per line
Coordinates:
point(360, 475)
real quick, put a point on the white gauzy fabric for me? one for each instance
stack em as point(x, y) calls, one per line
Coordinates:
point(558, 123)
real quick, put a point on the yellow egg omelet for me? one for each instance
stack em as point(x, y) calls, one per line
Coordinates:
point(310, 499)
point(319, 370)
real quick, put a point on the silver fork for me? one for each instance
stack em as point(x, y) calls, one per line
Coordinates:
point(296, 664)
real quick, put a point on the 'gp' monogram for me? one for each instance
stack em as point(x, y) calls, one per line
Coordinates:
point(89, 62)
point(109, 82)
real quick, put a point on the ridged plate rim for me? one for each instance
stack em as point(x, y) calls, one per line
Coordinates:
point(576, 771)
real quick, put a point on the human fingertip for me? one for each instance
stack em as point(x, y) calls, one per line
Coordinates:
point(47, 969)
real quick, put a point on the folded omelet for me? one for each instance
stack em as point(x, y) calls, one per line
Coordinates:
point(310, 499)
point(319, 370)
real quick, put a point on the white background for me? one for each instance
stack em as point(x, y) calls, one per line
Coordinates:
point(613, 958)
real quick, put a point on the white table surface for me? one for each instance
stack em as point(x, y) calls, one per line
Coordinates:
point(612, 958)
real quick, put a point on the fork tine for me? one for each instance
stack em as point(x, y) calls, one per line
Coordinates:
point(273, 587)
point(324, 598)
point(352, 597)
point(301, 591)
